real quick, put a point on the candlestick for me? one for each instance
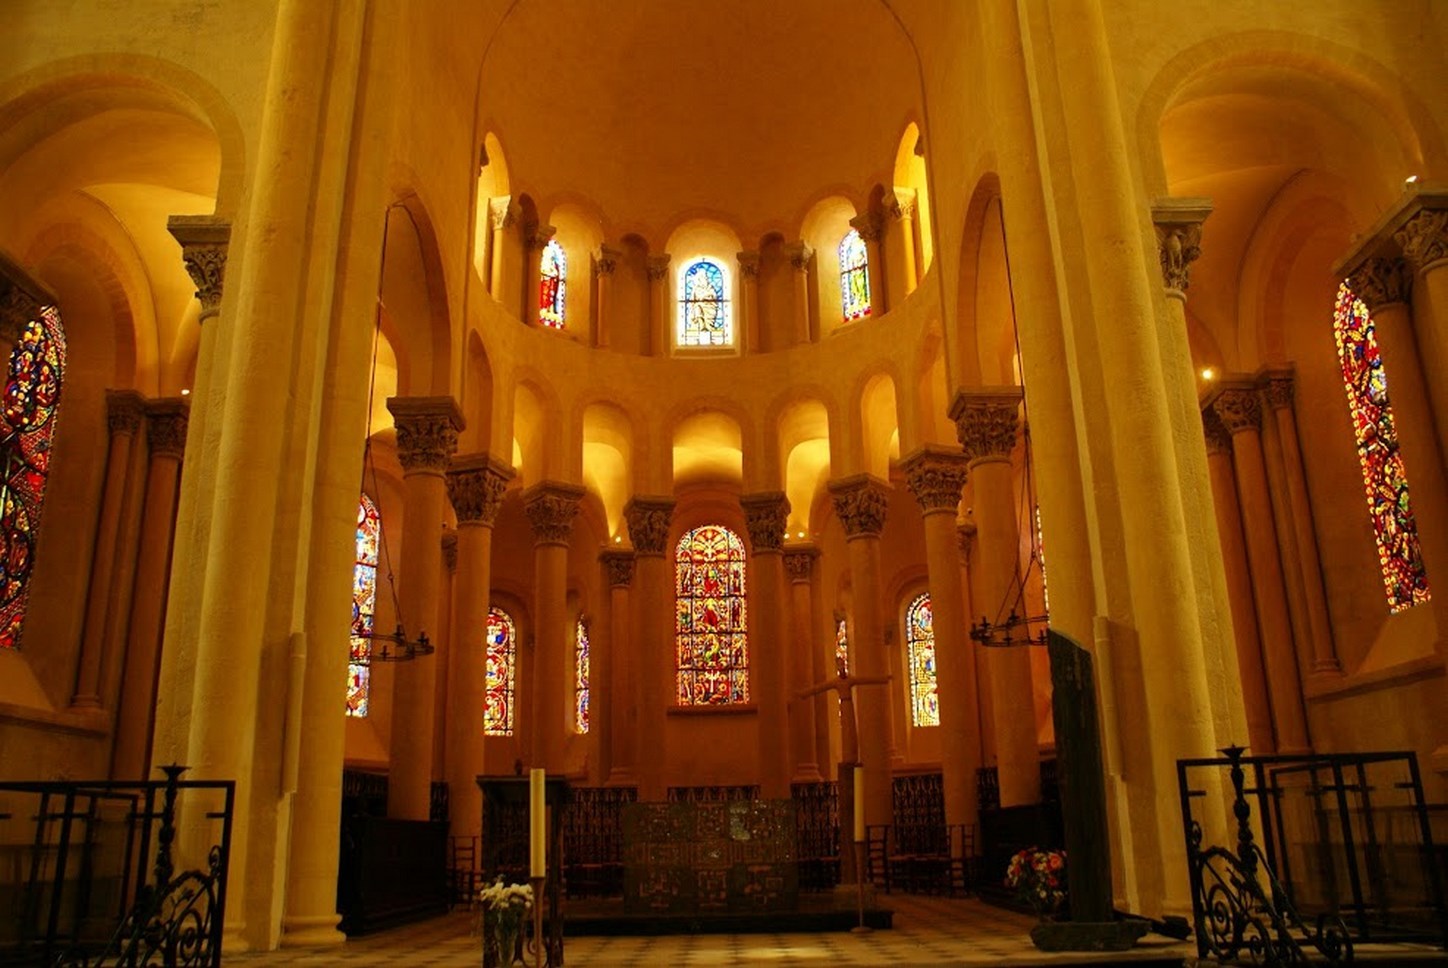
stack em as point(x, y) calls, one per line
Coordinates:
point(859, 803)
point(537, 824)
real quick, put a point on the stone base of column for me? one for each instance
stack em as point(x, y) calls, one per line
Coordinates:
point(315, 931)
point(807, 773)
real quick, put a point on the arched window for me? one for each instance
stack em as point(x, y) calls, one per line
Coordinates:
point(704, 305)
point(920, 648)
point(713, 653)
point(580, 676)
point(502, 669)
point(1399, 553)
point(842, 645)
point(854, 276)
point(552, 285)
point(27, 431)
point(364, 603)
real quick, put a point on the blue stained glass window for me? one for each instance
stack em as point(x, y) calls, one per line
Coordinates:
point(364, 601)
point(713, 649)
point(854, 276)
point(704, 306)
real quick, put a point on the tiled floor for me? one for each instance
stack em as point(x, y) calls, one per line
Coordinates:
point(928, 931)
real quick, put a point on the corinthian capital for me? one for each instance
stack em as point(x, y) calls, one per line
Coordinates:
point(648, 523)
point(540, 235)
point(799, 562)
point(658, 266)
point(124, 410)
point(748, 263)
point(1219, 440)
point(765, 515)
point(935, 475)
point(475, 486)
point(799, 255)
point(203, 239)
point(869, 225)
point(605, 260)
point(427, 432)
point(1239, 409)
point(503, 212)
point(860, 504)
point(166, 426)
point(620, 567)
point(900, 204)
point(551, 507)
point(1277, 386)
point(986, 421)
point(1424, 238)
point(1178, 224)
point(1381, 282)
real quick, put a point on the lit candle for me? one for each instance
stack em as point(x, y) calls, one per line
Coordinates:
point(859, 803)
point(537, 827)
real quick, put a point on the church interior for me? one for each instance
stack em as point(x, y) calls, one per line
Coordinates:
point(659, 372)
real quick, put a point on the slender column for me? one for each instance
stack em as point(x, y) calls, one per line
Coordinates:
point(622, 707)
point(900, 272)
point(123, 413)
point(506, 274)
point(658, 268)
point(551, 508)
point(871, 227)
point(166, 437)
point(985, 721)
point(986, 422)
point(860, 505)
point(800, 256)
point(648, 529)
point(427, 437)
point(766, 515)
point(936, 476)
point(1423, 238)
point(749, 300)
point(1241, 414)
point(1257, 706)
point(475, 486)
point(798, 567)
point(605, 260)
point(537, 240)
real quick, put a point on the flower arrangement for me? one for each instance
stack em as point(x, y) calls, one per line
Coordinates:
point(1039, 878)
point(504, 907)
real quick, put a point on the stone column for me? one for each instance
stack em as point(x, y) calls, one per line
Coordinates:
point(623, 708)
point(859, 503)
point(506, 274)
point(551, 508)
point(1257, 706)
point(1241, 414)
point(648, 529)
point(871, 227)
point(1421, 231)
point(537, 240)
point(123, 415)
point(427, 438)
point(658, 268)
point(986, 421)
point(749, 300)
point(605, 260)
point(766, 514)
point(800, 256)
point(475, 486)
point(900, 273)
point(936, 476)
point(985, 721)
point(798, 567)
point(166, 437)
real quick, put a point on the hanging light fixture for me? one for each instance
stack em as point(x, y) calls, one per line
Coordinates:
point(1014, 625)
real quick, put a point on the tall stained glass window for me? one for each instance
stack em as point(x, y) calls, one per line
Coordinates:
point(842, 645)
point(552, 285)
point(920, 648)
point(713, 653)
point(580, 676)
point(704, 306)
point(1399, 553)
point(364, 603)
point(27, 431)
point(501, 673)
point(854, 276)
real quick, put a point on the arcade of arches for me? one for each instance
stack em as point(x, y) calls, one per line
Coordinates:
point(685, 342)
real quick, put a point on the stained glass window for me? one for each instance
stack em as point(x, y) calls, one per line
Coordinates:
point(364, 602)
point(920, 647)
point(713, 652)
point(842, 646)
point(580, 676)
point(552, 285)
point(501, 673)
point(27, 430)
point(704, 306)
point(1399, 553)
point(854, 276)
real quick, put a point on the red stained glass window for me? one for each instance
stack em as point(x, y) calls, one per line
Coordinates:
point(502, 666)
point(580, 676)
point(552, 285)
point(842, 646)
point(713, 651)
point(920, 646)
point(364, 603)
point(854, 276)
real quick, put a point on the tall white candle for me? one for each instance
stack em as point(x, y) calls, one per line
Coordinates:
point(537, 824)
point(859, 803)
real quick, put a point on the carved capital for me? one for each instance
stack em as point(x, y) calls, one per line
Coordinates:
point(551, 507)
point(900, 204)
point(1239, 409)
point(539, 236)
point(799, 562)
point(935, 476)
point(765, 515)
point(748, 263)
point(799, 255)
point(1424, 238)
point(124, 410)
point(986, 421)
point(203, 239)
point(658, 266)
point(1219, 441)
point(869, 225)
point(1381, 282)
point(427, 432)
point(648, 523)
point(1178, 224)
point(450, 550)
point(1277, 388)
point(503, 212)
point(605, 260)
point(475, 486)
point(860, 502)
point(166, 422)
point(21, 300)
point(965, 538)
point(619, 566)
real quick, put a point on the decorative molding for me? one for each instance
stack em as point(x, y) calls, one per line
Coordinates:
point(860, 502)
point(869, 224)
point(799, 254)
point(475, 486)
point(658, 266)
point(799, 562)
point(765, 515)
point(1415, 229)
point(204, 240)
point(450, 550)
point(1178, 223)
point(124, 410)
point(648, 524)
point(427, 432)
point(551, 507)
point(605, 260)
point(619, 565)
point(166, 423)
point(1424, 238)
point(987, 421)
point(936, 476)
point(748, 263)
point(503, 212)
point(1239, 409)
point(1219, 440)
point(1277, 387)
point(1382, 281)
point(899, 204)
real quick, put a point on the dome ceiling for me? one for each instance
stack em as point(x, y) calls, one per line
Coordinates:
point(655, 110)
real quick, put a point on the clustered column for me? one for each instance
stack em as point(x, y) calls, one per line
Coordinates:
point(648, 529)
point(766, 515)
point(551, 507)
point(798, 567)
point(623, 673)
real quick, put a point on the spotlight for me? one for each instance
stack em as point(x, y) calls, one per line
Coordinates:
point(1208, 373)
